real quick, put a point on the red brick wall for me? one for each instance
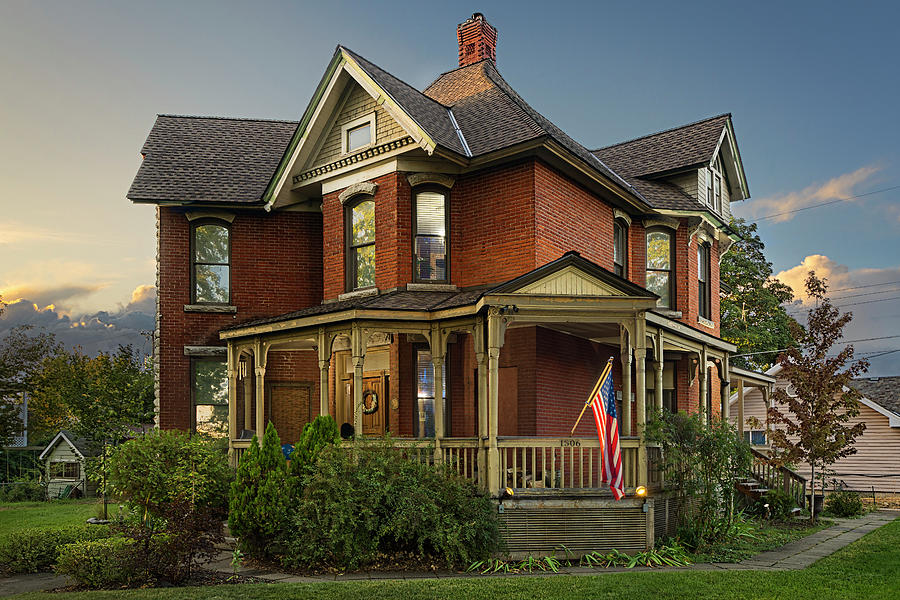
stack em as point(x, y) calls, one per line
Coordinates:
point(492, 235)
point(568, 217)
point(276, 268)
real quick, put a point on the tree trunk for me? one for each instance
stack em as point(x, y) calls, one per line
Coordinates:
point(812, 501)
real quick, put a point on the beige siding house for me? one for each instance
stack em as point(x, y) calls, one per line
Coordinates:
point(64, 467)
point(876, 464)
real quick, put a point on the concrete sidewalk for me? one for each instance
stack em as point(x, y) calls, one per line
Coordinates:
point(795, 555)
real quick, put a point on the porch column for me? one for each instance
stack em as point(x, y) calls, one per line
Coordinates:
point(660, 364)
point(494, 343)
point(625, 347)
point(641, 412)
point(436, 342)
point(704, 383)
point(767, 401)
point(358, 354)
point(726, 390)
point(232, 394)
point(324, 362)
point(482, 393)
point(260, 354)
point(740, 418)
point(248, 395)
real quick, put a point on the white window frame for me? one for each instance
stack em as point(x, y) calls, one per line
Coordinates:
point(345, 129)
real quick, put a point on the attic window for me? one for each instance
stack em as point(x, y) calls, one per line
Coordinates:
point(358, 134)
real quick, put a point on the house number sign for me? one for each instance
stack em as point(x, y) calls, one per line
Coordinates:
point(569, 443)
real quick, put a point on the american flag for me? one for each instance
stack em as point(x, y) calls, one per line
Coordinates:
point(604, 406)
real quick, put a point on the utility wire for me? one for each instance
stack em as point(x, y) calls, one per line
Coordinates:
point(796, 210)
point(865, 294)
point(802, 310)
point(860, 287)
point(885, 337)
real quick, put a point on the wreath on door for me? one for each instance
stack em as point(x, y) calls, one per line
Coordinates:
point(367, 407)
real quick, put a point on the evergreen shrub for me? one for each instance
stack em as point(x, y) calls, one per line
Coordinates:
point(35, 550)
point(108, 563)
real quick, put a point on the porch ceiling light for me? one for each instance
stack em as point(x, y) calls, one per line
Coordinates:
point(640, 491)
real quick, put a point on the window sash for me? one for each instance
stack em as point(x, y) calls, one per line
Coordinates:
point(703, 284)
point(620, 248)
point(209, 391)
point(430, 239)
point(211, 263)
point(660, 274)
point(359, 136)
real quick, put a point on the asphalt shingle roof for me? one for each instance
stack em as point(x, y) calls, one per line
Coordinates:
point(209, 159)
point(681, 147)
point(884, 391)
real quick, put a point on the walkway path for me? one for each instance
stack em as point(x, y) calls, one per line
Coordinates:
point(795, 555)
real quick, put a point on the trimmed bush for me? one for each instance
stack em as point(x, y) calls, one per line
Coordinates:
point(844, 504)
point(316, 436)
point(780, 505)
point(262, 496)
point(35, 550)
point(108, 563)
point(370, 503)
point(161, 467)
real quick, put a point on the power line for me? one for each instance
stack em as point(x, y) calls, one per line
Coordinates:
point(884, 353)
point(796, 210)
point(860, 287)
point(865, 294)
point(801, 311)
point(886, 337)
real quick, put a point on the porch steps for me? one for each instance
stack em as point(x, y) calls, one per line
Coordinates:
point(752, 488)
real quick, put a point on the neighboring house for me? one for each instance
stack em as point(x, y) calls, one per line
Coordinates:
point(445, 265)
point(876, 463)
point(63, 461)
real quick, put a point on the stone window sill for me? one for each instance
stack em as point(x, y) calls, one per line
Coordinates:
point(706, 322)
point(210, 308)
point(362, 293)
point(667, 312)
point(431, 287)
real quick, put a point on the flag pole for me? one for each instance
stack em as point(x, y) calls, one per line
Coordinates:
point(590, 399)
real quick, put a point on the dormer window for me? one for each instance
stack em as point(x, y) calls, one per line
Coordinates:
point(211, 258)
point(620, 247)
point(358, 134)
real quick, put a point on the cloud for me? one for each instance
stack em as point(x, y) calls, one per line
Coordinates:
point(48, 295)
point(838, 188)
point(93, 332)
point(872, 295)
point(12, 232)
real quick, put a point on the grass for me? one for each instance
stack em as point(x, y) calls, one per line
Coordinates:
point(758, 537)
point(15, 516)
point(867, 569)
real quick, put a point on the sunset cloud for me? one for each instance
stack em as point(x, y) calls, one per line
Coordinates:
point(12, 232)
point(48, 295)
point(838, 188)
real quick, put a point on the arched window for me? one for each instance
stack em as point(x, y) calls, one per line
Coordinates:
point(620, 247)
point(211, 262)
point(430, 226)
point(360, 238)
point(703, 294)
point(660, 271)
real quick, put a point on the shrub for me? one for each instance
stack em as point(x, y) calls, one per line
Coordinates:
point(780, 505)
point(34, 550)
point(316, 436)
point(23, 491)
point(108, 563)
point(165, 466)
point(262, 496)
point(842, 503)
point(360, 505)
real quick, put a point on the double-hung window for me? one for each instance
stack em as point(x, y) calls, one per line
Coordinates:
point(211, 258)
point(209, 380)
point(620, 248)
point(360, 227)
point(660, 272)
point(430, 235)
point(703, 292)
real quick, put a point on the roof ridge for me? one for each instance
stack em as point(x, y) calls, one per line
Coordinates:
point(424, 95)
point(438, 78)
point(649, 135)
point(216, 118)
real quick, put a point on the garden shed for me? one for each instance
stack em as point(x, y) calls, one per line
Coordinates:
point(63, 460)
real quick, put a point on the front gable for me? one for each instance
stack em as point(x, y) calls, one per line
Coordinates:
point(570, 281)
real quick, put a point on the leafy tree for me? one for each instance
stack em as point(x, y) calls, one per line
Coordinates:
point(21, 356)
point(815, 423)
point(752, 312)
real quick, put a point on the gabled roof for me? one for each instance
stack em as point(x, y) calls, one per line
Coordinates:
point(682, 147)
point(209, 159)
point(884, 391)
point(79, 445)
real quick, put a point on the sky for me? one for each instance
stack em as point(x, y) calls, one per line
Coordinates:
point(812, 88)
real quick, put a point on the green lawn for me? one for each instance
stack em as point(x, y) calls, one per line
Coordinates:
point(869, 569)
point(15, 516)
point(760, 537)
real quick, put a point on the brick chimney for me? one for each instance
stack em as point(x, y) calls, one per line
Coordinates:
point(477, 40)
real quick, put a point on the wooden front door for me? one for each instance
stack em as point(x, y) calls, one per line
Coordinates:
point(375, 401)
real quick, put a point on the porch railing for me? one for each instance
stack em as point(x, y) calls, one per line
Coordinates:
point(776, 477)
point(560, 463)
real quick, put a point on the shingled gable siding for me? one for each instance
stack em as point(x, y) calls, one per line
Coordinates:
point(358, 104)
point(492, 233)
point(276, 267)
point(568, 217)
point(393, 231)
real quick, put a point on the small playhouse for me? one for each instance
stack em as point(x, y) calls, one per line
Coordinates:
point(64, 467)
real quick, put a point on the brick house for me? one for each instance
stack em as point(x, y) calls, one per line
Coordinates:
point(447, 266)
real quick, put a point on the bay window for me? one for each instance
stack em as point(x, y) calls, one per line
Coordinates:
point(620, 248)
point(430, 236)
point(660, 272)
point(360, 241)
point(703, 294)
